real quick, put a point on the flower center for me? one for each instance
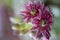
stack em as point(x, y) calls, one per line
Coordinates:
point(33, 12)
point(43, 23)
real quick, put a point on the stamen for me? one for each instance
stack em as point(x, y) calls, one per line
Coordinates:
point(33, 12)
point(43, 23)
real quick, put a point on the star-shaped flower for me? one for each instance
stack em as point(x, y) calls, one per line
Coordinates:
point(32, 10)
point(42, 30)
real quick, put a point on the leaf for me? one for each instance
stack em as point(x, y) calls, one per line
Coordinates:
point(19, 26)
point(15, 20)
point(23, 27)
point(27, 28)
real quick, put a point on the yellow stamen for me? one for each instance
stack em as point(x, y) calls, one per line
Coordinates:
point(43, 22)
point(33, 12)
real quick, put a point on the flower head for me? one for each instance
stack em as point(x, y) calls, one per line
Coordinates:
point(32, 10)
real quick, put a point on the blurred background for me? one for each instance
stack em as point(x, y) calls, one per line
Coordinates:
point(12, 8)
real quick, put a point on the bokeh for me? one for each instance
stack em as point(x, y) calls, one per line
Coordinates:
point(13, 8)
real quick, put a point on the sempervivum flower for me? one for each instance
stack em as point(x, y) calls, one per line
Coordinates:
point(41, 31)
point(42, 26)
point(32, 9)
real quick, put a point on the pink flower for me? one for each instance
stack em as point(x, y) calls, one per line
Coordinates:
point(42, 31)
point(32, 10)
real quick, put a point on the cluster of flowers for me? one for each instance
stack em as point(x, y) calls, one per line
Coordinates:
point(40, 16)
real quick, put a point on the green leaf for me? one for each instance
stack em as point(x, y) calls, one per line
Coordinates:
point(15, 20)
point(23, 27)
point(27, 28)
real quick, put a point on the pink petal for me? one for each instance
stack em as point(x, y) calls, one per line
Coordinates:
point(44, 38)
point(38, 34)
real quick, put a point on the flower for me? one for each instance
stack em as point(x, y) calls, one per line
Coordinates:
point(32, 10)
point(42, 29)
